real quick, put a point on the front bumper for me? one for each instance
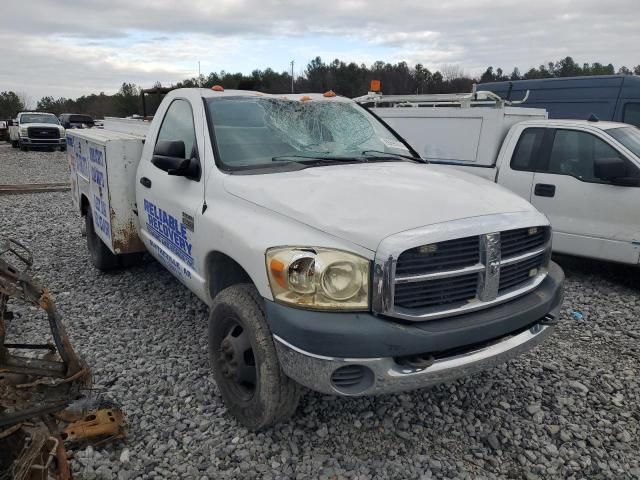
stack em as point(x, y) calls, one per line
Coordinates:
point(44, 142)
point(361, 354)
point(374, 376)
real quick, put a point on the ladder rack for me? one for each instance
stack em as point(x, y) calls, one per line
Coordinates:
point(462, 100)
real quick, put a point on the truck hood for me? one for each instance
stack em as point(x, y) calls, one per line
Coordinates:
point(365, 203)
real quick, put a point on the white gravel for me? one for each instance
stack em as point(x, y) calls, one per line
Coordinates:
point(41, 166)
point(566, 410)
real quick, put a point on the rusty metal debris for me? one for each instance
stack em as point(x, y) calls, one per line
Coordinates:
point(101, 426)
point(43, 380)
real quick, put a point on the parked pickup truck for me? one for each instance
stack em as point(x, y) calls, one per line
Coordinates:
point(331, 257)
point(37, 129)
point(584, 175)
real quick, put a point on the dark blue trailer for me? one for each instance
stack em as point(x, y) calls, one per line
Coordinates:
point(609, 97)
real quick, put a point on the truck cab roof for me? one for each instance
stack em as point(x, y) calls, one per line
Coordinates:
point(209, 93)
point(575, 123)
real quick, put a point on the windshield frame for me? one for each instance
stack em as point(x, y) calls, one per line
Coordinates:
point(620, 139)
point(41, 114)
point(276, 167)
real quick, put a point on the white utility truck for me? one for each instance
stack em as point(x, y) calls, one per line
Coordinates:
point(37, 129)
point(330, 255)
point(584, 175)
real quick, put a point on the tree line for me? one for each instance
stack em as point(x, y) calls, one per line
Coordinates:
point(348, 79)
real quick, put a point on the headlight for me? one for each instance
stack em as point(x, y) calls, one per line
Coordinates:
point(24, 132)
point(62, 134)
point(319, 278)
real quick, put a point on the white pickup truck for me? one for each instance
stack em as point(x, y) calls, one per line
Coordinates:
point(37, 129)
point(331, 257)
point(584, 175)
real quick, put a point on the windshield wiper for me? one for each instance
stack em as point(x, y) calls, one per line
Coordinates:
point(318, 159)
point(397, 155)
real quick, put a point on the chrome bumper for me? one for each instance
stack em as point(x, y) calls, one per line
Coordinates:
point(385, 375)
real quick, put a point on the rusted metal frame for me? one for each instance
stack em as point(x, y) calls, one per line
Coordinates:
point(18, 284)
point(55, 381)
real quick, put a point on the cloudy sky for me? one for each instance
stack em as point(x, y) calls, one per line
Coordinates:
point(74, 47)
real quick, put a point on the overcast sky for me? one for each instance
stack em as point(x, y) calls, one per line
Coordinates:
point(74, 47)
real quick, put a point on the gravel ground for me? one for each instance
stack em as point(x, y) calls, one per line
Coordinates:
point(569, 409)
point(17, 167)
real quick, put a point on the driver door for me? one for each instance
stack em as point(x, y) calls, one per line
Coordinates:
point(168, 204)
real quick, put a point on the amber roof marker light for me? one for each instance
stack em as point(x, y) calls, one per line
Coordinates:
point(217, 88)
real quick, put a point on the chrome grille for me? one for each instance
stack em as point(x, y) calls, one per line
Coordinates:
point(453, 276)
point(513, 275)
point(520, 240)
point(432, 293)
point(447, 255)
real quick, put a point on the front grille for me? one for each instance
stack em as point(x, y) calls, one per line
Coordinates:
point(513, 275)
point(433, 279)
point(521, 240)
point(446, 255)
point(433, 293)
point(43, 133)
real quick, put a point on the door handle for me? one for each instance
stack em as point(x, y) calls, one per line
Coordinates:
point(544, 190)
point(145, 182)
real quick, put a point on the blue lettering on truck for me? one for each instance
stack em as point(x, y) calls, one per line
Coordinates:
point(169, 231)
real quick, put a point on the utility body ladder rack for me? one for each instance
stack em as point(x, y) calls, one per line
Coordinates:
point(462, 100)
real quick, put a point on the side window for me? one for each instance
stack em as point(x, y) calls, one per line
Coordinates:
point(574, 152)
point(632, 114)
point(526, 152)
point(178, 125)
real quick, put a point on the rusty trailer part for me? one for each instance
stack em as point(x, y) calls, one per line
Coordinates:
point(47, 385)
point(34, 188)
point(102, 425)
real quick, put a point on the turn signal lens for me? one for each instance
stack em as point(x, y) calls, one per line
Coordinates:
point(277, 272)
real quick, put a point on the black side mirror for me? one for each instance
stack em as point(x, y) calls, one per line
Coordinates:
point(168, 156)
point(614, 170)
point(610, 168)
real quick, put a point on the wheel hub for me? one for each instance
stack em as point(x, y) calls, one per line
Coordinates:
point(236, 358)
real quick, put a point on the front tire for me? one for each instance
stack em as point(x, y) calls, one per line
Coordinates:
point(14, 144)
point(101, 257)
point(23, 147)
point(245, 364)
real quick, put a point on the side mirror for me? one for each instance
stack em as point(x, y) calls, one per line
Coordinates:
point(168, 156)
point(614, 170)
point(610, 168)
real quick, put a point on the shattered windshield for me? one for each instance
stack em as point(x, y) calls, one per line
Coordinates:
point(628, 136)
point(261, 132)
point(38, 118)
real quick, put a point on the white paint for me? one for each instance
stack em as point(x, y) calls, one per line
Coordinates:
point(113, 181)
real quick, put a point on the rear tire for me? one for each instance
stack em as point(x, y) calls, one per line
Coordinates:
point(101, 257)
point(245, 364)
